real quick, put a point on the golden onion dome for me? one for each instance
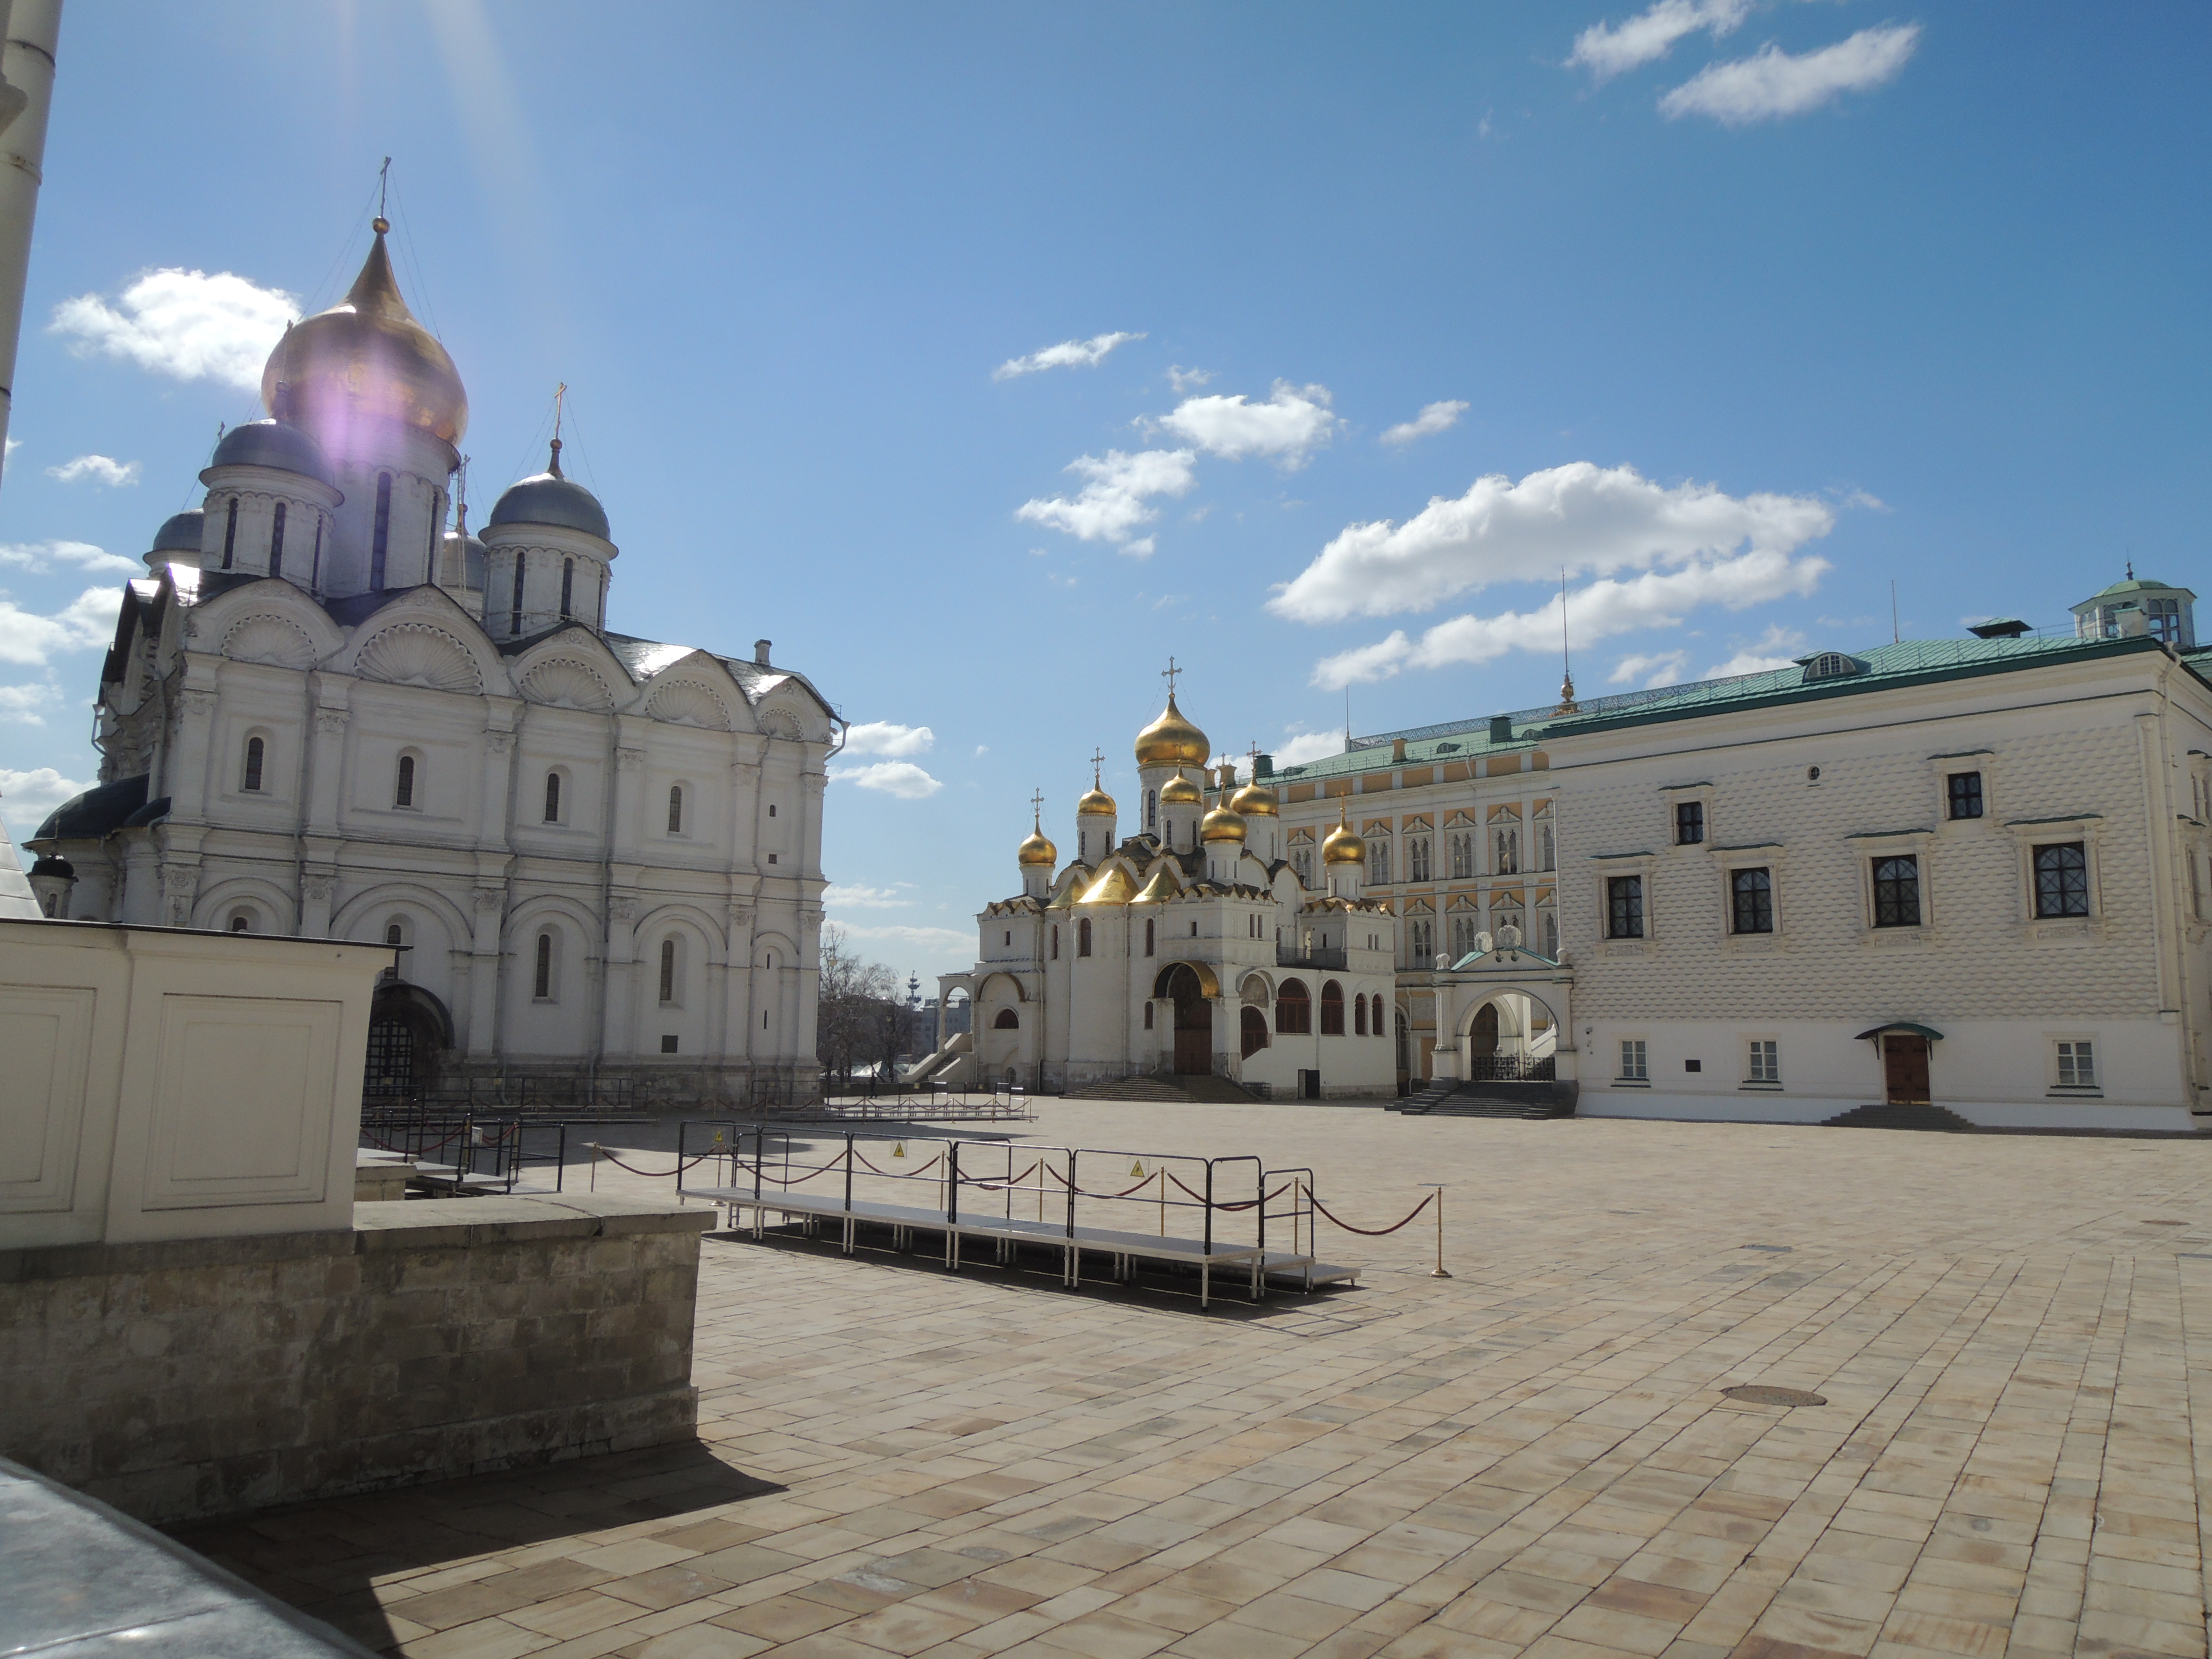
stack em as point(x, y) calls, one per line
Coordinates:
point(1343, 844)
point(1222, 823)
point(1037, 849)
point(1171, 740)
point(1180, 790)
point(1254, 801)
point(1096, 804)
point(366, 357)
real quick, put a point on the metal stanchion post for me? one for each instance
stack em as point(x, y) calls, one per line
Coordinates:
point(1438, 1272)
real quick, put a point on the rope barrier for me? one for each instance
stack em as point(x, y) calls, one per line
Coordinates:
point(1371, 1232)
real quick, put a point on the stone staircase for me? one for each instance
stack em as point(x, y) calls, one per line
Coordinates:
point(1934, 1118)
point(1169, 1090)
point(1530, 1102)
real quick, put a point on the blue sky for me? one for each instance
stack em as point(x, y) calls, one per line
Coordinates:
point(1738, 311)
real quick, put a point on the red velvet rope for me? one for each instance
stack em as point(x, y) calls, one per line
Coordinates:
point(1374, 1232)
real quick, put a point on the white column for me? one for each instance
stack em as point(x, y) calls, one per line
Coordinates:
point(482, 1037)
point(33, 30)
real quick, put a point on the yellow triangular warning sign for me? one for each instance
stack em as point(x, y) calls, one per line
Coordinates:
point(899, 1151)
point(1137, 1167)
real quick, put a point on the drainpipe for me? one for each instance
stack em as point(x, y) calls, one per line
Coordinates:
point(33, 28)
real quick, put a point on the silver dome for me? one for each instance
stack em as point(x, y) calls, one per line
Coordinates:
point(181, 534)
point(273, 444)
point(550, 499)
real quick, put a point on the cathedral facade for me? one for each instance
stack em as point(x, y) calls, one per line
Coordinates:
point(1189, 947)
point(328, 713)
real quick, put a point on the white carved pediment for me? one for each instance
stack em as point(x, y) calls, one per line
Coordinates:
point(270, 639)
point(781, 723)
point(565, 683)
point(686, 703)
point(414, 653)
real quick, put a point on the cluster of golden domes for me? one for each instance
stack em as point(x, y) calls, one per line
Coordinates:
point(366, 357)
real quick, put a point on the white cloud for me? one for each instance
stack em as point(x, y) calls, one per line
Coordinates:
point(981, 750)
point(1309, 746)
point(1579, 518)
point(1068, 354)
point(901, 778)
point(41, 556)
point(1605, 607)
point(1656, 668)
point(1779, 647)
point(1610, 48)
point(88, 621)
point(846, 895)
point(184, 324)
point(1291, 423)
point(1113, 504)
point(1771, 83)
point(886, 738)
point(1183, 379)
point(958, 941)
point(1432, 419)
point(21, 703)
point(26, 798)
point(100, 469)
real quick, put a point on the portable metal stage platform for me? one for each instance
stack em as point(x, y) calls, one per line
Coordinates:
point(778, 1160)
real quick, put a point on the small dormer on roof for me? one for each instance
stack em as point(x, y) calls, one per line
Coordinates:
point(2134, 607)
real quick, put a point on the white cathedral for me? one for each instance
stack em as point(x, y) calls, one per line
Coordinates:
point(326, 713)
point(1193, 946)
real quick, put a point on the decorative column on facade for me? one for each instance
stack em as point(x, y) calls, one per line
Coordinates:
point(329, 759)
point(316, 887)
point(630, 787)
point(745, 813)
point(180, 885)
point(498, 779)
point(621, 953)
point(481, 1038)
point(188, 775)
point(810, 994)
point(142, 883)
point(737, 1011)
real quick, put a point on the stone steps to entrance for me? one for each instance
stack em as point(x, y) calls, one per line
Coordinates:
point(1934, 1118)
point(1531, 1102)
point(1170, 1090)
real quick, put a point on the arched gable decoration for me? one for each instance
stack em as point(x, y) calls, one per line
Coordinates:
point(687, 702)
point(457, 923)
point(415, 654)
point(267, 639)
point(567, 683)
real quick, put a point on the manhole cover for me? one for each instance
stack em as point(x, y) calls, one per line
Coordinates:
point(1759, 1394)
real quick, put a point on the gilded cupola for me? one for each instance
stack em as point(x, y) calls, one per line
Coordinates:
point(1222, 823)
point(1180, 790)
point(1343, 844)
point(1037, 848)
point(365, 358)
point(1171, 740)
point(1254, 801)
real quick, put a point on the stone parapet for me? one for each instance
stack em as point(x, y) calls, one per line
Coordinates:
point(195, 1378)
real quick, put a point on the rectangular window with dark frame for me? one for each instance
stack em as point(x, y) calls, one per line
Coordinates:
point(1624, 907)
point(2062, 880)
point(1689, 823)
point(2078, 1066)
point(1752, 893)
point(1635, 1059)
point(1765, 1062)
point(1966, 794)
point(1897, 891)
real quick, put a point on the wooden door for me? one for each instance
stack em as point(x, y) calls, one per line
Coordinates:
point(1905, 1069)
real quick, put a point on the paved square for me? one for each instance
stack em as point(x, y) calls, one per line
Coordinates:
point(1535, 1455)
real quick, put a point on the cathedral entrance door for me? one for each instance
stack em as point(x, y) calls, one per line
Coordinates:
point(1905, 1068)
point(1194, 1024)
point(391, 1071)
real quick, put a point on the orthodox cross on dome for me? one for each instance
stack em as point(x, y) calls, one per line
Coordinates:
point(1037, 811)
point(1169, 674)
point(1098, 761)
point(383, 186)
point(1253, 754)
point(560, 400)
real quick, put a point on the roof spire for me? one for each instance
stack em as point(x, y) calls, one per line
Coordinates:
point(383, 187)
point(560, 398)
point(2131, 569)
point(1098, 761)
point(1567, 705)
point(1036, 812)
point(461, 498)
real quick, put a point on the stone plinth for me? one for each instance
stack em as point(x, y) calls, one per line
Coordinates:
point(209, 1376)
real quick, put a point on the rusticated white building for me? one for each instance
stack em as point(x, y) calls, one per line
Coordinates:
point(1190, 947)
point(326, 713)
point(1972, 873)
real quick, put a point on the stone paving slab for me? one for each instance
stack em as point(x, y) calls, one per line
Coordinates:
point(1531, 1457)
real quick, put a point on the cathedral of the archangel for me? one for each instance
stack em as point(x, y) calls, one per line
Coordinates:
point(328, 713)
point(1190, 947)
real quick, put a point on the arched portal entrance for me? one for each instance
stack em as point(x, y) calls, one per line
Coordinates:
point(1482, 1036)
point(1512, 1037)
point(410, 1033)
point(1255, 1030)
point(1194, 1021)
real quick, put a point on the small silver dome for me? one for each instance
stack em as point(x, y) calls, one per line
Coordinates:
point(181, 534)
point(273, 444)
point(549, 499)
point(474, 556)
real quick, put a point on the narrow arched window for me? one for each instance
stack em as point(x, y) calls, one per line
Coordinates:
point(1148, 936)
point(230, 533)
point(315, 565)
point(676, 809)
point(514, 612)
point(667, 972)
point(393, 934)
point(403, 793)
point(543, 988)
point(1359, 1016)
point(1083, 936)
point(552, 798)
point(276, 544)
point(381, 537)
point(1332, 1009)
point(254, 751)
point(242, 923)
point(1055, 942)
point(568, 584)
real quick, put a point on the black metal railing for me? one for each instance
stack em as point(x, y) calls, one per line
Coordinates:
point(1513, 1068)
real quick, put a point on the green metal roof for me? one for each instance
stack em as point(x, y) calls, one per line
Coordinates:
point(1886, 667)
